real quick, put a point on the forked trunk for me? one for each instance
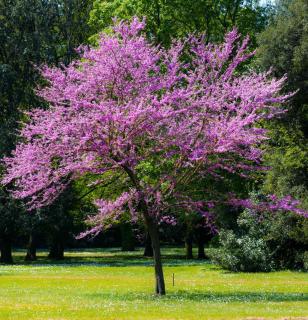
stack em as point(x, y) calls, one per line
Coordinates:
point(159, 275)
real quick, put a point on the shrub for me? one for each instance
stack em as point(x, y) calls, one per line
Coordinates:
point(263, 243)
point(244, 249)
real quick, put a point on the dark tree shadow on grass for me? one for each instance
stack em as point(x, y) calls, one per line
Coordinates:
point(107, 257)
point(241, 296)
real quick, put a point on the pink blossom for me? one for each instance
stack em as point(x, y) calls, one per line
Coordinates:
point(271, 204)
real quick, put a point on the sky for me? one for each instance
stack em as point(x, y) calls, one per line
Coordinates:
point(264, 2)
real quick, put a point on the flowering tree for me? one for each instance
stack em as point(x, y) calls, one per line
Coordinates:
point(151, 119)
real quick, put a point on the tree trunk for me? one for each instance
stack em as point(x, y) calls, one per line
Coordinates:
point(153, 231)
point(202, 236)
point(189, 247)
point(6, 250)
point(31, 248)
point(201, 254)
point(127, 237)
point(159, 275)
point(56, 250)
point(148, 249)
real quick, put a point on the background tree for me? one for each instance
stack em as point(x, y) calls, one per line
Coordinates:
point(284, 47)
point(173, 19)
point(32, 226)
point(11, 212)
point(59, 223)
point(31, 33)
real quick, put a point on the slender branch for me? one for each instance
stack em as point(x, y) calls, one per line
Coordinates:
point(100, 186)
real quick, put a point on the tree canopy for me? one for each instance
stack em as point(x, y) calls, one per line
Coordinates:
point(175, 19)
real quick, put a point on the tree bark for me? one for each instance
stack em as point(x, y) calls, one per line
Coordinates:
point(201, 254)
point(148, 249)
point(6, 250)
point(203, 235)
point(189, 247)
point(159, 275)
point(153, 231)
point(127, 237)
point(56, 251)
point(31, 248)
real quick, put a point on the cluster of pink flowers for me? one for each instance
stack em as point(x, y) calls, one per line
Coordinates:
point(168, 220)
point(127, 102)
point(271, 204)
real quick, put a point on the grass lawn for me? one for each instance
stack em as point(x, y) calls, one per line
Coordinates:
point(110, 284)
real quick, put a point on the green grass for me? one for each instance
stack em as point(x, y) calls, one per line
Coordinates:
point(109, 284)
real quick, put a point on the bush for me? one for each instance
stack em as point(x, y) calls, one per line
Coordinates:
point(263, 243)
point(244, 250)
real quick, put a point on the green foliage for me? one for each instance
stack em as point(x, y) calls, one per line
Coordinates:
point(287, 240)
point(287, 157)
point(11, 213)
point(244, 249)
point(263, 243)
point(32, 33)
point(57, 217)
point(169, 19)
point(284, 47)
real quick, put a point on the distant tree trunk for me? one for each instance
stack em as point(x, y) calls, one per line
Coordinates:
point(148, 249)
point(6, 250)
point(201, 254)
point(56, 251)
point(159, 275)
point(127, 237)
point(203, 235)
point(31, 248)
point(189, 246)
point(200, 238)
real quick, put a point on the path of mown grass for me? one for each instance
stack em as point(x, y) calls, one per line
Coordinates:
point(109, 284)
